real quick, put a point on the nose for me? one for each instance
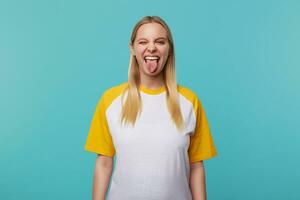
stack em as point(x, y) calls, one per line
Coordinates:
point(151, 47)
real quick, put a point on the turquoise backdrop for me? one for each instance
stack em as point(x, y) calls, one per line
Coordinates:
point(240, 57)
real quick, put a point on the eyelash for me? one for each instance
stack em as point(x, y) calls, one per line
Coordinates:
point(160, 42)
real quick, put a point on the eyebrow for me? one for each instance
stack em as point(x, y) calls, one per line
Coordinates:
point(155, 39)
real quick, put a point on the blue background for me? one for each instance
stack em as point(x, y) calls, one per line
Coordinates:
point(240, 57)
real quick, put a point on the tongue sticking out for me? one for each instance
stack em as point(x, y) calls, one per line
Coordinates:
point(151, 65)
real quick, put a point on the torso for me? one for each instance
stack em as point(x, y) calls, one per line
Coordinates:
point(151, 157)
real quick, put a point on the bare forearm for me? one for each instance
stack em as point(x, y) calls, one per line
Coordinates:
point(102, 175)
point(197, 181)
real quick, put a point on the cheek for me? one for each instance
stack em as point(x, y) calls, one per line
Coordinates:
point(165, 50)
point(139, 49)
point(139, 59)
point(139, 54)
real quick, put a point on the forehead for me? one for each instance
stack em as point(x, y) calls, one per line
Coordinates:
point(151, 30)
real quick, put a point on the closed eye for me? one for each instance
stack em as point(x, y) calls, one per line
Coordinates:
point(161, 42)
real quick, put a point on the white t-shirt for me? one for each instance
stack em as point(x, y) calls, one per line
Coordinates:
point(152, 158)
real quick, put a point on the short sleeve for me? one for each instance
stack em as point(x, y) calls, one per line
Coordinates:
point(201, 142)
point(99, 139)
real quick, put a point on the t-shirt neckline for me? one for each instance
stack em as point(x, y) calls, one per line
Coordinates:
point(152, 91)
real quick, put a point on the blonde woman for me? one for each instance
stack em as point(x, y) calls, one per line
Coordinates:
point(156, 128)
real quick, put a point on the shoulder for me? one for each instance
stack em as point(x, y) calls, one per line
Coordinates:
point(188, 93)
point(110, 94)
point(192, 97)
point(115, 91)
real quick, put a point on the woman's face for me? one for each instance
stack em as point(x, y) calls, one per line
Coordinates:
point(151, 48)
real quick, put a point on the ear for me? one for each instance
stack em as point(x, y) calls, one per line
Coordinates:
point(131, 49)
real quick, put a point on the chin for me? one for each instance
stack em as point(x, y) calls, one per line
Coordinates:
point(153, 74)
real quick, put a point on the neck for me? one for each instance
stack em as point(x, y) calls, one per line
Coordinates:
point(152, 82)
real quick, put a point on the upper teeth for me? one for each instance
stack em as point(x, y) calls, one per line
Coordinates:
point(151, 57)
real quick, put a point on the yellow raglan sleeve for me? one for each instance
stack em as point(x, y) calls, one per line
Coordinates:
point(99, 139)
point(201, 142)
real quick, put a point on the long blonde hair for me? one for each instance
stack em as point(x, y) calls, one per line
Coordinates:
point(132, 106)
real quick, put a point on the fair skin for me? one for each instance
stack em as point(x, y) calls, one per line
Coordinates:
point(197, 181)
point(102, 175)
point(151, 40)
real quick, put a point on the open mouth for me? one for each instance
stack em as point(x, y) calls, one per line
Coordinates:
point(152, 63)
point(151, 58)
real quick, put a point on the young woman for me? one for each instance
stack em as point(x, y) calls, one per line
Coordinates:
point(156, 128)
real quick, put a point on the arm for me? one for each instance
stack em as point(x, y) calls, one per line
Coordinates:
point(197, 181)
point(102, 174)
